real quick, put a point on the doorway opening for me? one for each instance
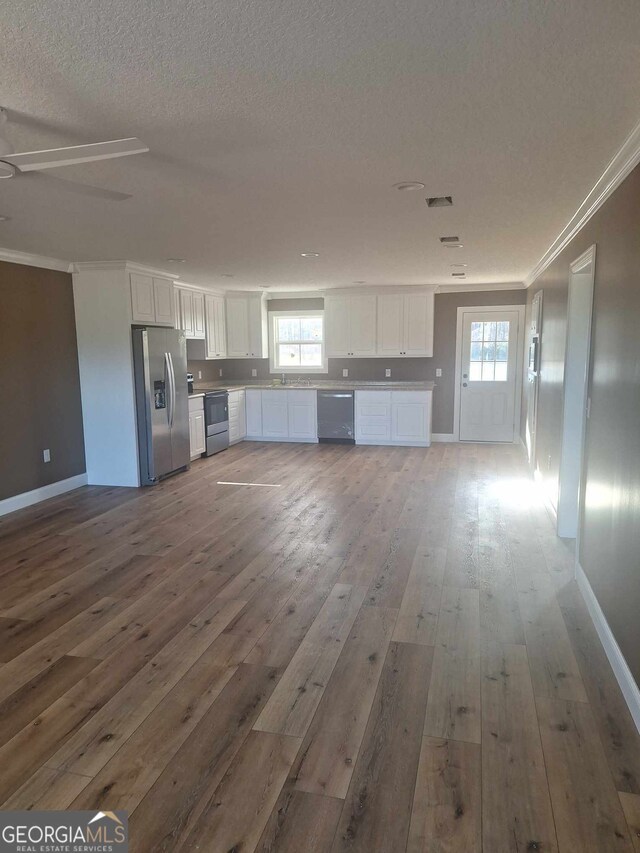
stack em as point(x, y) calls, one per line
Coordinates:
point(576, 392)
point(488, 384)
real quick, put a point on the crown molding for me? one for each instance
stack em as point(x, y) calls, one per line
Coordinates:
point(622, 164)
point(30, 260)
point(128, 266)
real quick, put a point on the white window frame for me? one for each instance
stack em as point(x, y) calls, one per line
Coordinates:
point(273, 318)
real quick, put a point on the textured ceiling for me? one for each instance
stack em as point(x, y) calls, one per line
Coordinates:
point(280, 127)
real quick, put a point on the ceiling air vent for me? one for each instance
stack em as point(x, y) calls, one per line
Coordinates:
point(458, 274)
point(449, 239)
point(439, 201)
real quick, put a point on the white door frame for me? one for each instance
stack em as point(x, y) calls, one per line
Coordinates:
point(571, 469)
point(520, 309)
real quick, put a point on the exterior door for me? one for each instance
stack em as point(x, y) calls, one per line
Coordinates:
point(489, 361)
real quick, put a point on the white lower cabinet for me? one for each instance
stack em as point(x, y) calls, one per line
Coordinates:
point(393, 417)
point(253, 403)
point(275, 421)
point(237, 416)
point(373, 416)
point(281, 415)
point(197, 433)
point(302, 415)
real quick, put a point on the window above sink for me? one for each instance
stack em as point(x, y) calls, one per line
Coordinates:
point(297, 342)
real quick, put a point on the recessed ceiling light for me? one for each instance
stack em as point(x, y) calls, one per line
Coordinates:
point(5, 219)
point(458, 265)
point(309, 254)
point(439, 201)
point(407, 186)
point(227, 275)
point(452, 246)
point(177, 260)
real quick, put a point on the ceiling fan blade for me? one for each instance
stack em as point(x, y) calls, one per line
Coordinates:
point(31, 161)
point(75, 187)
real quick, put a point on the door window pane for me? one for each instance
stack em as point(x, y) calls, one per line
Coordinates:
point(489, 333)
point(476, 351)
point(501, 371)
point(489, 351)
point(502, 330)
point(502, 351)
point(475, 371)
point(488, 371)
point(476, 331)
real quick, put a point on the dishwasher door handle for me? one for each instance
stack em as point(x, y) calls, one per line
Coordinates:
point(334, 396)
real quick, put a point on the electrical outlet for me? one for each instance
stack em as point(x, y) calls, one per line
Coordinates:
point(199, 374)
point(438, 371)
point(46, 455)
point(345, 372)
point(387, 372)
point(220, 371)
point(254, 372)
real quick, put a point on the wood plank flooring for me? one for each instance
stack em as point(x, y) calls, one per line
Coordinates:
point(381, 651)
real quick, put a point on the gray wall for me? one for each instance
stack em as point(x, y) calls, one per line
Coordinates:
point(444, 352)
point(39, 382)
point(610, 531)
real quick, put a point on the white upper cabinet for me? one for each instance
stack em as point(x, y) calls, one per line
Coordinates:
point(405, 324)
point(151, 300)
point(238, 328)
point(215, 327)
point(350, 325)
point(390, 324)
point(163, 301)
point(191, 310)
point(247, 326)
point(336, 321)
point(198, 315)
point(362, 324)
point(186, 312)
point(418, 323)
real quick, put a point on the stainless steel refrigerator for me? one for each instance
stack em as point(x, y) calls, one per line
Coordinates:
point(162, 402)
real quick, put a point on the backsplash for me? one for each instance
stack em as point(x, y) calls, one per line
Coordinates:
point(402, 369)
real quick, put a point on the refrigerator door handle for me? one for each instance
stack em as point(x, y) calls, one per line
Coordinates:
point(167, 370)
point(173, 389)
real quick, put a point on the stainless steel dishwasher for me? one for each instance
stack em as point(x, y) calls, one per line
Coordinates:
point(336, 417)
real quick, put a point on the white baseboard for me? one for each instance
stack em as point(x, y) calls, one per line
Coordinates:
point(443, 437)
point(44, 493)
point(619, 665)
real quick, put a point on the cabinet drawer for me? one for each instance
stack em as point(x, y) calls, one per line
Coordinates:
point(409, 396)
point(368, 427)
point(196, 404)
point(373, 397)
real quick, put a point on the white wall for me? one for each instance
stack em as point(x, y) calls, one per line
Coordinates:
point(103, 322)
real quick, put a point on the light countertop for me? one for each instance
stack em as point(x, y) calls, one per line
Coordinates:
point(317, 385)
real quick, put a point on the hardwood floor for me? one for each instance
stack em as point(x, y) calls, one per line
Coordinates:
point(379, 650)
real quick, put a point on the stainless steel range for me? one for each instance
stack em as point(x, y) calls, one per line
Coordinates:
point(216, 421)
